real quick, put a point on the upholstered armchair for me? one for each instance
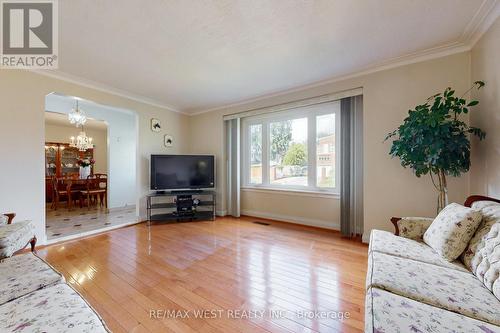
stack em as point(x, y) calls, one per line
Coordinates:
point(15, 236)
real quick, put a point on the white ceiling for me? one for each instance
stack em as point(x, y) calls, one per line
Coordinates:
point(191, 56)
point(59, 119)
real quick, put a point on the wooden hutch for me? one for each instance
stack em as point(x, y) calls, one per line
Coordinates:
point(61, 160)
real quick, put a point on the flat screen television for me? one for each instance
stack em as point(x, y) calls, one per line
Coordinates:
point(178, 172)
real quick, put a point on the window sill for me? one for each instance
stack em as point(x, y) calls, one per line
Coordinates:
point(296, 192)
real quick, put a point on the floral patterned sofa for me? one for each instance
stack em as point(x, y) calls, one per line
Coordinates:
point(410, 288)
point(35, 298)
point(15, 236)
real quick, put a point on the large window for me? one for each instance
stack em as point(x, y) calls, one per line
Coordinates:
point(255, 143)
point(294, 149)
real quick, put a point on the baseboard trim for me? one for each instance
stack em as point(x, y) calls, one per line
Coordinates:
point(366, 238)
point(221, 213)
point(293, 219)
point(119, 208)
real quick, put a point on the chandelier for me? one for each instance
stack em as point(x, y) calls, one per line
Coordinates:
point(82, 142)
point(77, 116)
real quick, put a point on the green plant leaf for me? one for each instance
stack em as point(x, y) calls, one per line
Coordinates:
point(432, 138)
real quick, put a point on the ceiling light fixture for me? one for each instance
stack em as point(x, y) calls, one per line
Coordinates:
point(77, 116)
point(82, 142)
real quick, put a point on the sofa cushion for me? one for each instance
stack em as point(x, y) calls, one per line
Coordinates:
point(386, 242)
point(452, 230)
point(481, 205)
point(460, 292)
point(3, 219)
point(491, 215)
point(14, 237)
point(388, 312)
point(23, 274)
point(488, 268)
point(54, 309)
point(413, 227)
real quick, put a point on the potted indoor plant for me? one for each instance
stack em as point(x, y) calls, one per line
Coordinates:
point(434, 140)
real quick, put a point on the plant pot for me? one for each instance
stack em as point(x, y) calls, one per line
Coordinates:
point(84, 172)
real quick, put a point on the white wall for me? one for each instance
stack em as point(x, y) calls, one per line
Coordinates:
point(22, 138)
point(389, 190)
point(485, 171)
point(62, 134)
point(122, 137)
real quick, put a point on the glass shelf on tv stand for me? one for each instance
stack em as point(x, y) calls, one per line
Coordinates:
point(159, 210)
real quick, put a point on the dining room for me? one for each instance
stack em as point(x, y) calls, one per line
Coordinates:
point(79, 159)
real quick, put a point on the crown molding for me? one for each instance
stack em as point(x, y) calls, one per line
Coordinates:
point(484, 17)
point(481, 21)
point(56, 74)
point(420, 56)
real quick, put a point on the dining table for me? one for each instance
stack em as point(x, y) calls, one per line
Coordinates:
point(74, 188)
point(72, 185)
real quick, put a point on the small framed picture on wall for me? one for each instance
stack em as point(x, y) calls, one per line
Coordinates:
point(155, 125)
point(168, 140)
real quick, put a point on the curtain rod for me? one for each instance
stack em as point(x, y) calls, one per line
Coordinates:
point(296, 104)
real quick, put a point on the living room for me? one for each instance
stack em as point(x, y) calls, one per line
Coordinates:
point(291, 105)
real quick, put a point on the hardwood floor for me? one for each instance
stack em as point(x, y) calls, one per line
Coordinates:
point(131, 275)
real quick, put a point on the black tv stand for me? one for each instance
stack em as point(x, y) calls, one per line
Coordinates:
point(160, 192)
point(178, 206)
point(185, 192)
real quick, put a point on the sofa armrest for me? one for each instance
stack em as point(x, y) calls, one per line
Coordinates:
point(473, 198)
point(10, 217)
point(411, 227)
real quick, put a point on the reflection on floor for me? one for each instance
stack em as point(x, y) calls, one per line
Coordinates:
point(63, 223)
point(300, 279)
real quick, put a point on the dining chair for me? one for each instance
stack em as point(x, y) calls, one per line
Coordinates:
point(92, 191)
point(102, 179)
point(62, 190)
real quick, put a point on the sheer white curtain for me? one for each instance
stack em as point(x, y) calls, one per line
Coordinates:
point(351, 166)
point(233, 146)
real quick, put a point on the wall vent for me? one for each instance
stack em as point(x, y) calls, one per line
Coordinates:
point(261, 223)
